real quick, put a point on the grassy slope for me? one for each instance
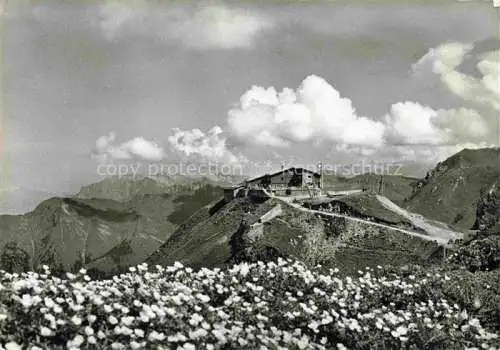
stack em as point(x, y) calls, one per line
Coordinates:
point(452, 190)
point(396, 188)
point(204, 238)
point(214, 237)
point(367, 206)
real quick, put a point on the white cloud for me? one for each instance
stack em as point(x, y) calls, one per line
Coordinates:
point(411, 123)
point(208, 146)
point(442, 57)
point(445, 61)
point(137, 149)
point(463, 125)
point(220, 26)
point(430, 154)
point(417, 153)
point(197, 27)
point(315, 111)
point(402, 154)
point(363, 151)
point(114, 15)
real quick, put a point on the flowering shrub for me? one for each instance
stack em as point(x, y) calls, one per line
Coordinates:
point(281, 305)
point(479, 255)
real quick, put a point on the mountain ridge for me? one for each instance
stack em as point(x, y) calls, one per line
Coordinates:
point(451, 191)
point(118, 222)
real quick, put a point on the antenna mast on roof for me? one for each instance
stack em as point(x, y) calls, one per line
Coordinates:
point(320, 172)
point(381, 185)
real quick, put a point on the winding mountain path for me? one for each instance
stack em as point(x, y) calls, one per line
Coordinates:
point(440, 235)
point(433, 228)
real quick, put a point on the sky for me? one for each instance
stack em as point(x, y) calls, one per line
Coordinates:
point(87, 86)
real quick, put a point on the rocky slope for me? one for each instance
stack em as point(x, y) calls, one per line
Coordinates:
point(227, 232)
point(488, 211)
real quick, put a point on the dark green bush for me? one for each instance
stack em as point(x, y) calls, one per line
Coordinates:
point(479, 255)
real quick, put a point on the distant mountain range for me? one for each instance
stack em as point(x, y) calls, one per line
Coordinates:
point(125, 187)
point(117, 222)
point(95, 230)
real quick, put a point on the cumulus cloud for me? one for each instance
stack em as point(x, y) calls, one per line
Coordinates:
point(429, 154)
point(197, 27)
point(445, 61)
point(463, 125)
point(420, 153)
point(135, 149)
point(210, 146)
point(411, 123)
point(314, 111)
point(480, 89)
